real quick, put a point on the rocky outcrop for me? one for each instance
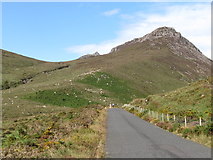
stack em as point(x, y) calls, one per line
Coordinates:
point(89, 55)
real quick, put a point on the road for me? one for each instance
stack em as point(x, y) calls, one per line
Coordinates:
point(129, 136)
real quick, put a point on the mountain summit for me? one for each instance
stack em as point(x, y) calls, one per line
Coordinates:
point(162, 32)
point(168, 36)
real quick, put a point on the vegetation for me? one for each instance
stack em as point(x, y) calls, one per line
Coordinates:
point(62, 97)
point(73, 134)
point(193, 101)
point(117, 87)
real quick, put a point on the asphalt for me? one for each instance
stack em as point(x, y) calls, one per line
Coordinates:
point(128, 136)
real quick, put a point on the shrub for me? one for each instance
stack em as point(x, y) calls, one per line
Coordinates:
point(208, 129)
point(131, 110)
point(180, 129)
point(198, 130)
point(169, 127)
point(186, 132)
point(164, 125)
point(175, 126)
point(155, 121)
point(141, 115)
point(147, 118)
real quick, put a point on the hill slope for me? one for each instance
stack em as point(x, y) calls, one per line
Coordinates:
point(193, 100)
point(18, 69)
point(158, 62)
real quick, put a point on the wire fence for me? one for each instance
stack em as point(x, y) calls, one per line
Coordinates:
point(182, 120)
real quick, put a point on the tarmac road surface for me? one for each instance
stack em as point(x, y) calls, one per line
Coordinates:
point(129, 136)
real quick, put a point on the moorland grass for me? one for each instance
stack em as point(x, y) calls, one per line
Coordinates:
point(193, 100)
point(119, 88)
point(61, 97)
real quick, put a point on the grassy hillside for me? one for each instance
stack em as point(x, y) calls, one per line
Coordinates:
point(18, 69)
point(139, 70)
point(68, 97)
point(13, 64)
point(192, 101)
point(12, 60)
point(117, 88)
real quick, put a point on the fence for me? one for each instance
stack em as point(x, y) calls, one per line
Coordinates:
point(184, 120)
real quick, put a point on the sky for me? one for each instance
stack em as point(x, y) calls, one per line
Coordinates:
point(63, 31)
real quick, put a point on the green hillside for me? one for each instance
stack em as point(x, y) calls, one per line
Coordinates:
point(12, 60)
point(18, 69)
point(192, 101)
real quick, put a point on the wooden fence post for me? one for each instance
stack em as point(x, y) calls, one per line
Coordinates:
point(200, 120)
point(167, 116)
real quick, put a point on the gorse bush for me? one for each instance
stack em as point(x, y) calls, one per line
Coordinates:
point(6, 84)
point(175, 126)
point(186, 132)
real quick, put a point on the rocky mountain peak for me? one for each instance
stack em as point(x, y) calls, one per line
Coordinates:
point(167, 36)
point(163, 32)
point(89, 55)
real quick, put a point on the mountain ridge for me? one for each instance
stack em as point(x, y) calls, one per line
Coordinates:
point(168, 32)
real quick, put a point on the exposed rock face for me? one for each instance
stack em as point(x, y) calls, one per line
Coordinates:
point(89, 55)
point(174, 40)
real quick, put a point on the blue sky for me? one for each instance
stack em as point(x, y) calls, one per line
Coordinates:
point(64, 31)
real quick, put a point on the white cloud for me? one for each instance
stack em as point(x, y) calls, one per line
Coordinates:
point(192, 21)
point(111, 12)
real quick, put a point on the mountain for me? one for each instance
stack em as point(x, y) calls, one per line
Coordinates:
point(161, 61)
point(178, 45)
point(89, 55)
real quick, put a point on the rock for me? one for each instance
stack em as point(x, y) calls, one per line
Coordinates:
point(90, 55)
